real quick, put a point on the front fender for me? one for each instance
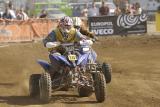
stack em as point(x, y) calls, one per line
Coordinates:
point(83, 59)
point(59, 58)
point(44, 64)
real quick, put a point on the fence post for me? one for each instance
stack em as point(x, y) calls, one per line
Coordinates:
point(158, 19)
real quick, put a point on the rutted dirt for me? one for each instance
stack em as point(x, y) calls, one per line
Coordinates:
point(135, 83)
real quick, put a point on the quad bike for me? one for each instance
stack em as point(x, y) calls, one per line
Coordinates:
point(78, 70)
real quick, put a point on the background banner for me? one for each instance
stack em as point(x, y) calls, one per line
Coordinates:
point(118, 25)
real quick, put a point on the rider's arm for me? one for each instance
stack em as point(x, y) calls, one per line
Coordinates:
point(86, 32)
point(50, 38)
point(80, 36)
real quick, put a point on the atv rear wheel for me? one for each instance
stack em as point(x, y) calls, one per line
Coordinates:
point(106, 69)
point(100, 86)
point(34, 85)
point(45, 87)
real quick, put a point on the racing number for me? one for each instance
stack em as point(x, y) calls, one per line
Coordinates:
point(72, 57)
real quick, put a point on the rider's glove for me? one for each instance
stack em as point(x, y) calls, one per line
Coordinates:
point(94, 37)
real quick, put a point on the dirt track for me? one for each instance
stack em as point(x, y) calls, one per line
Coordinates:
point(136, 74)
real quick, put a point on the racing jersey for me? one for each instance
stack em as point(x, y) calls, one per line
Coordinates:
point(56, 35)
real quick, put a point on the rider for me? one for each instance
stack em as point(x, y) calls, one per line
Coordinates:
point(64, 33)
point(77, 22)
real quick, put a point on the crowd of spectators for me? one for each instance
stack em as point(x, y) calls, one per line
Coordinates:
point(18, 14)
point(11, 13)
point(104, 9)
point(86, 11)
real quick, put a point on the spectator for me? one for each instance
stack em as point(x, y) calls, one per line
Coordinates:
point(1, 14)
point(10, 4)
point(117, 11)
point(158, 9)
point(123, 32)
point(127, 5)
point(84, 12)
point(76, 11)
point(11, 10)
point(19, 15)
point(7, 14)
point(93, 11)
point(132, 9)
point(43, 14)
point(138, 9)
point(121, 4)
point(104, 10)
point(22, 15)
point(123, 11)
point(127, 11)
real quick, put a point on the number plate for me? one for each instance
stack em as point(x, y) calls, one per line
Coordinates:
point(72, 57)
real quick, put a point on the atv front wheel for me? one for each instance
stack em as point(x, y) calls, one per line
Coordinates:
point(100, 86)
point(45, 87)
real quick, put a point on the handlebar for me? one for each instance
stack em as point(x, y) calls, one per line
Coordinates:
point(81, 42)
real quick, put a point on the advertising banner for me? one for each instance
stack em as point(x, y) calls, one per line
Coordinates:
point(118, 25)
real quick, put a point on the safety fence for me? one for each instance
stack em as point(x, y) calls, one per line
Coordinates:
point(33, 29)
point(18, 31)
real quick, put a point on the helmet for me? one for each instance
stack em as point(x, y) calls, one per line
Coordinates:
point(77, 21)
point(66, 23)
point(66, 20)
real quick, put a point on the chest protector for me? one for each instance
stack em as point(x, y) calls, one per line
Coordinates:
point(71, 36)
